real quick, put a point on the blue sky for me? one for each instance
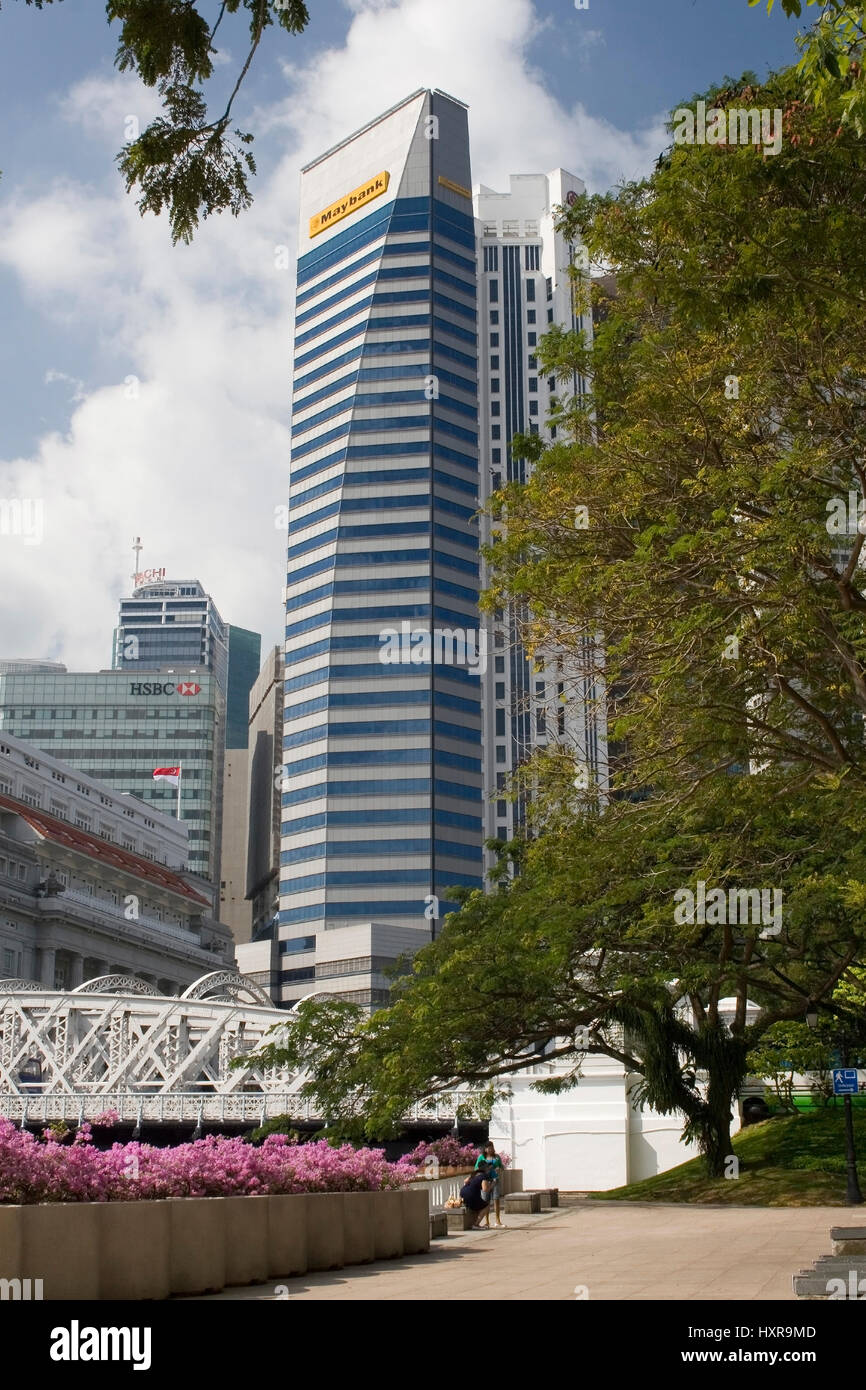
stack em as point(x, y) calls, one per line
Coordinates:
point(145, 387)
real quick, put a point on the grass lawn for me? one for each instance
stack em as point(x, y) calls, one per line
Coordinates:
point(791, 1161)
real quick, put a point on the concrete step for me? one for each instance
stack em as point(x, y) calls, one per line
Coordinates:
point(549, 1196)
point(525, 1202)
point(838, 1287)
point(438, 1224)
point(849, 1240)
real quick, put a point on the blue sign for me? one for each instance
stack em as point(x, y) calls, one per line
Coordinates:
point(844, 1081)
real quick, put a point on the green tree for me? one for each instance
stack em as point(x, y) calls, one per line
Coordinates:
point(189, 162)
point(832, 54)
point(585, 952)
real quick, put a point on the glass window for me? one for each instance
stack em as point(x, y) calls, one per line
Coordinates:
point(495, 407)
point(532, 339)
point(500, 752)
point(550, 316)
point(496, 432)
point(494, 340)
point(494, 315)
point(496, 456)
point(533, 362)
point(494, 383)
point(533, 383)
point(494, 363)
point(499, 665)
point(530, 316)
point(493, 287)
point(502, 808)
point(500, 722)
point(533, 407)
point(500, 690)
point(530, 291)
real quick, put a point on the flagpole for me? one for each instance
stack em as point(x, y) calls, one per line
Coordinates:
point(179, 780)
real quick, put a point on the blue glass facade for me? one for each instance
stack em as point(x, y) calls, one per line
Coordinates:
point(382, 784)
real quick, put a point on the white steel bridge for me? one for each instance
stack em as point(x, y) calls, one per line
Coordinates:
point(114, 1044)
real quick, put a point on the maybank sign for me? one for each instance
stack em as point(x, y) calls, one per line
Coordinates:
point(344, 207)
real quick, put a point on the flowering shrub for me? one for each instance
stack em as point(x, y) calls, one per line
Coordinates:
point(45, 1170)
point(448, 1152)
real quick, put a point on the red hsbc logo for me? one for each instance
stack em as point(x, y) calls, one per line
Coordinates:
point(187, 688)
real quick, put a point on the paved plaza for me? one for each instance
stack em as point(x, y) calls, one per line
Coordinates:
point(614, 1250)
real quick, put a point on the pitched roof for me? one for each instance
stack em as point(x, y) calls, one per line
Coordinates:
point(59, 832)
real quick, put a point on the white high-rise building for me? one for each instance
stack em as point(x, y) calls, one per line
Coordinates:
point(526, 286)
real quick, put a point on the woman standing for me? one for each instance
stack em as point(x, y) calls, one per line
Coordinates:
point(489, 1163)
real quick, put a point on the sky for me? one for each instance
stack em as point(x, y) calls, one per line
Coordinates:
point(145, 388)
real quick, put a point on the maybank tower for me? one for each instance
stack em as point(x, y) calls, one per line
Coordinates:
point(382, 762)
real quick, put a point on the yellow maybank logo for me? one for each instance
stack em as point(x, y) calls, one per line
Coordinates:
point(344, 207)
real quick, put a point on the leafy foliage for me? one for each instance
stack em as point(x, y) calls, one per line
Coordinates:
point(186, 162)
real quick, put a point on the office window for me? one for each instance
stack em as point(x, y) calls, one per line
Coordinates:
point(491, 254)
point(539, 690)
point(496, 432)
point(550, 316)
point(533, 407)
point(500, 690)
point(500, 752)
point(9, 962)
point(496, 481)
point(531, 254)
point(499, 639)
point(500, 781)
point(530, 291)
point(502, 833)
point(493, 290)
point(533, 383)
point(533, 427)
point(551, 383)
point(495, 407)
point(541, 721)
point(532, 339)
point(494, 383)
point(499, 665)
point(500, 722)
point(496, 455)
point(502, 808)
point(533, 362)
point(494, 315)
point(530, 316)
point(549, 287)
point(494, 340)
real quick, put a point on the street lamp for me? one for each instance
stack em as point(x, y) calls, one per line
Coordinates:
point(853, 1195)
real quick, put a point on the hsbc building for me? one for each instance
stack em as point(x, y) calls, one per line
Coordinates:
point(118, 730)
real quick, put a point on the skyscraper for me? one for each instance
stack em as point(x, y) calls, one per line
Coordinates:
point(120, 726)
point(382, 791)
point(170, 623)
point(525, 287)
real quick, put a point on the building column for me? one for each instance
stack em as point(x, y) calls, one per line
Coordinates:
point(47, 956)
point(76, 971)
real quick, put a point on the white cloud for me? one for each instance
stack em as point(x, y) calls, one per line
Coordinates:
point(195, 462)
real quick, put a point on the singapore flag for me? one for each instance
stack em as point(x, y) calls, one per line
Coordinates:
point(167, 774)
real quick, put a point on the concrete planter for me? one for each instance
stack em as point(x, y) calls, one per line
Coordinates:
point(60, 1246)
point(359, 1228)
point(246, 1240)
point(287, 1235)
point(86, 1251)
point(142, 1227)
point(416, 1222)
point(388, 1224)
point(197, 1255)
point(325, 1238)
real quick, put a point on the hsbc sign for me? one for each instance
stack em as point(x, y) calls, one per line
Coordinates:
point(156, 688)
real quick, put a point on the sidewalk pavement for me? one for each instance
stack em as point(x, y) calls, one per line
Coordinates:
point(621, 1251)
